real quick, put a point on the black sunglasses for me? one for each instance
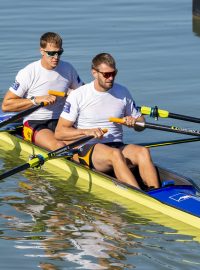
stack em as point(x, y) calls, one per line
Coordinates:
point(107, 75)
point(53, 53)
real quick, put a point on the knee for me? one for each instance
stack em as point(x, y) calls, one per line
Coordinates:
point(116, 155)
point(144, 153)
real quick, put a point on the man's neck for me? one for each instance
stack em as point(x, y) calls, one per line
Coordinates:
point(46, 65)
point(99, 88)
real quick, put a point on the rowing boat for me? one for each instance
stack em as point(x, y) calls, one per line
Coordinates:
point(178, 197)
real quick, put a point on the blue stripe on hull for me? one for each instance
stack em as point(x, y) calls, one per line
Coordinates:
point(184, 198)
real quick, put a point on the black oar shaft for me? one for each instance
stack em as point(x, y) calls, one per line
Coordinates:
point(184, 117)
point(13, 129)
point(20, 115)
point(169, 142)
point(15, 170)
point(40, 159)
point(69, 147)
point(169, 129)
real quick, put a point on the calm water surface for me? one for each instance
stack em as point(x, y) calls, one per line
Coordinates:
point(50, 224)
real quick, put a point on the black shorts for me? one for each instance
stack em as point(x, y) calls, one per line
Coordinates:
point(31, 127)
point(85, 152)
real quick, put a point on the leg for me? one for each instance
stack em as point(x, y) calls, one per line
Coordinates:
point(45, 138)
point(105, 158)
point(141, 157)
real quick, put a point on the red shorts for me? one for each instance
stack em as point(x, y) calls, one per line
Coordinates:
point(31, 127)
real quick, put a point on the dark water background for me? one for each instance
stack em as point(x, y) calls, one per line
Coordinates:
point(47, 224)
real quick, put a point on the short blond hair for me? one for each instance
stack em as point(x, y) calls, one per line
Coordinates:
point(105, 58)
point(50, 37)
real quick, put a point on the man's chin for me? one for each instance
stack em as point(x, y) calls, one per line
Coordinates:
point(109, 85)
point(54, 64)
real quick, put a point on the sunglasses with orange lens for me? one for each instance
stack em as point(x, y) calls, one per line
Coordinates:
point(107, 75)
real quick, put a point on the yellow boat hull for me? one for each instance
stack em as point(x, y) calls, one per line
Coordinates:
point(107, 187)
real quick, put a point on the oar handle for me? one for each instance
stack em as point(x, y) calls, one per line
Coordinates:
point(57, 93)
point(104, 130)
point(72, 145)
point(117, 120)
point(122, 121)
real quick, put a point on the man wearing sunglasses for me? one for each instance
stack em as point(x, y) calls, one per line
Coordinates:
point(87, 111)
point(31, 88)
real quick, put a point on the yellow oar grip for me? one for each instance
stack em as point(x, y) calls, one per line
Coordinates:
point(161, 113)
point(104, 130)
point(57, 93)
point(117, 120)
point(145, 110)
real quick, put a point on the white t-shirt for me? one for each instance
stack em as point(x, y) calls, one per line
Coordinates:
point(89, 108)
point(35, 80)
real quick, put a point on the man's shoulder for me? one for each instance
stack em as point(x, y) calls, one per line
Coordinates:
point(122, 87)
point(33, 64)
point(120, 91)
point(81, 92)
point(29, 67)
point(65, 65)
point(83, 89)
point(119, 88)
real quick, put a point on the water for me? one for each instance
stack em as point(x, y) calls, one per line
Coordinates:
point(47, 224)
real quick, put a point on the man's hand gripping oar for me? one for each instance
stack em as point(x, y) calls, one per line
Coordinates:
point(20, 115)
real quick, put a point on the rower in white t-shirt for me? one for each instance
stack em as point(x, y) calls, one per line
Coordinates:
point(31, 87)
point(88, 108)
point(87, 111)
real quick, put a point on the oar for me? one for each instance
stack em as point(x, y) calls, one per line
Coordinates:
point(171, 142)
point(155, 112)
point(160, 127)
point(12, 129)
point(40, 159)
point(22, 114)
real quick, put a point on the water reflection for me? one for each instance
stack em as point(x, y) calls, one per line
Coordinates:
point(56, 220)
point(83, 231)
point(58, 224)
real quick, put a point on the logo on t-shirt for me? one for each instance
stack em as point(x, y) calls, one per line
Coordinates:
point(15, 85)
point(67, 107)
